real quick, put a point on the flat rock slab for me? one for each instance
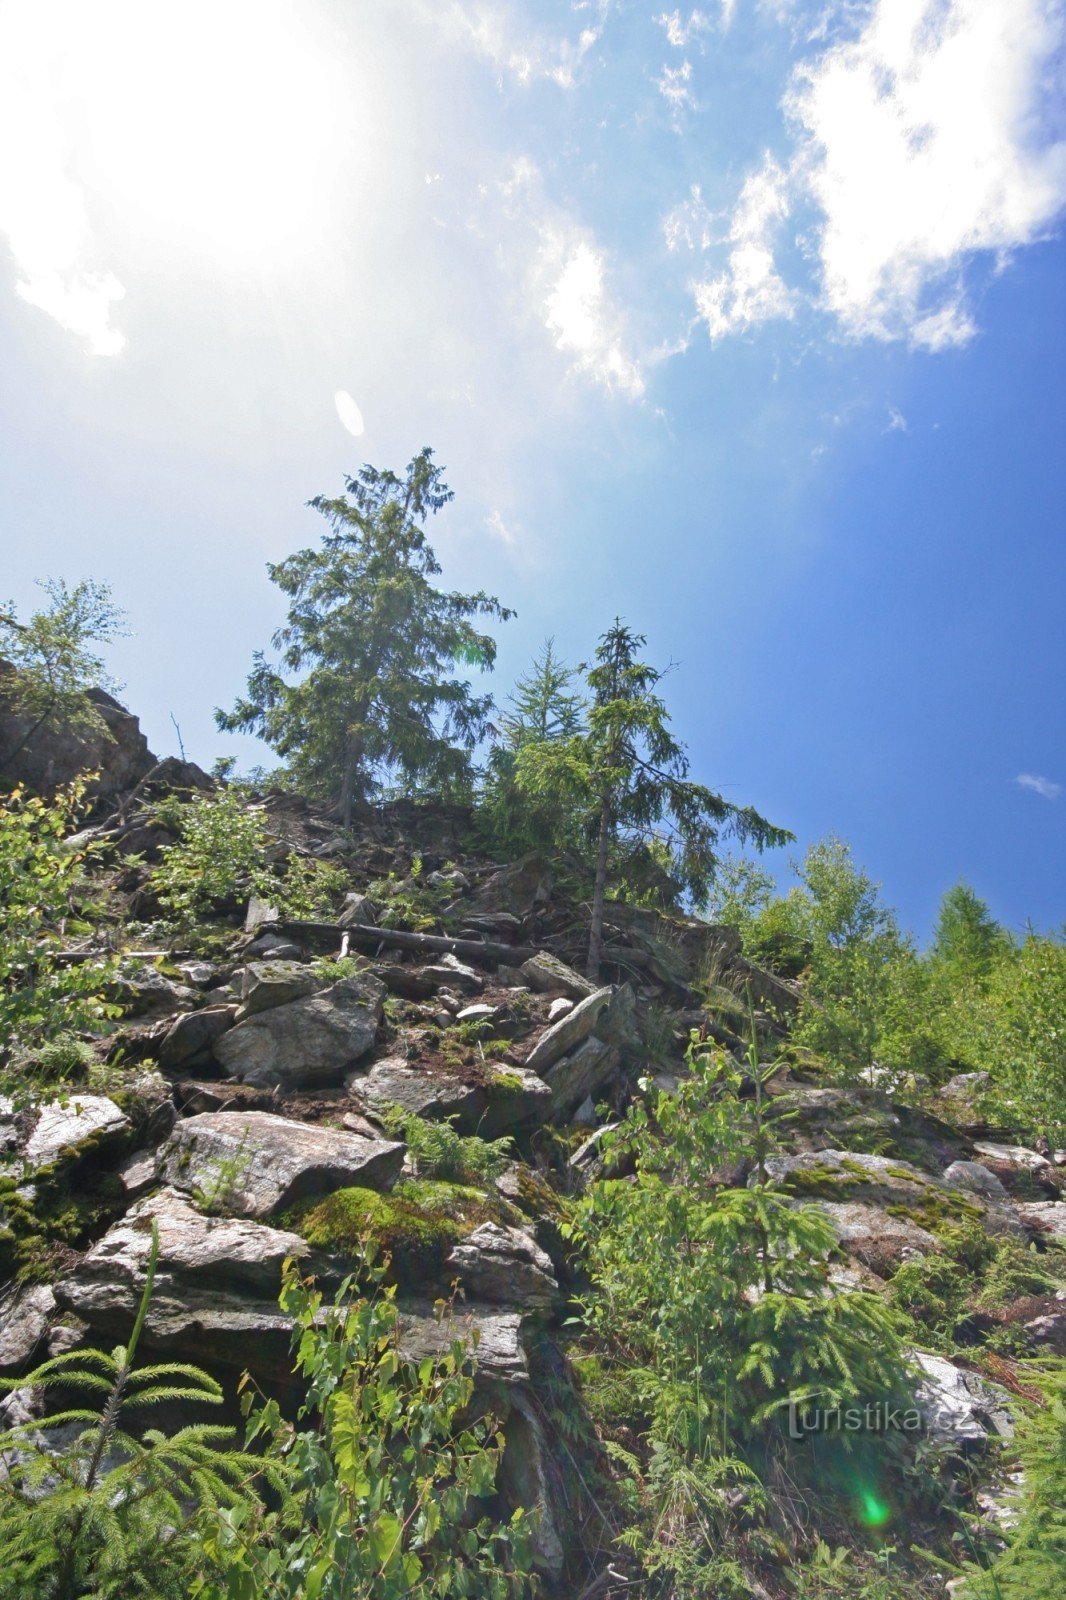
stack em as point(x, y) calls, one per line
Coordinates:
point(566, 1034)
point(24, 1319)
point(578, 1076)
point(308, 1043)
point(256, 1164)
point(65, 1127)
point(1044, 1216)
point(875, 1237)
point(193, 1036)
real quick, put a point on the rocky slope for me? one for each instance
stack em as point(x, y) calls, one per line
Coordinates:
point(255, 1101)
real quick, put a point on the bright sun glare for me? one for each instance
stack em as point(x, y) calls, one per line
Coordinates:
point(215, 124)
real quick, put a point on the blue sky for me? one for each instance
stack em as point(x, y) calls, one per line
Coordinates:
point(743, 321)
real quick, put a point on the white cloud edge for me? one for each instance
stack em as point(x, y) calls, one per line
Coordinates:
point(1045, 787)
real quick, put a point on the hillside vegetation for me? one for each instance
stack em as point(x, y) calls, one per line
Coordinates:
point(437, 1166)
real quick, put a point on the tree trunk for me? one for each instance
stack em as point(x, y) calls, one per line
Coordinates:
point(599, 890)
point(352, 763)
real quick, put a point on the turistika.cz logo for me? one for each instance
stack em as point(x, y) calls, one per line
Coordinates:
point(877, 1416)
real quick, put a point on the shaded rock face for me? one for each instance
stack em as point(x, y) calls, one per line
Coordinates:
point(866, 1120)
point(267, 984)
point(568, 1032)
point(53, 755)
point(307, 1043)
point(257, 1164)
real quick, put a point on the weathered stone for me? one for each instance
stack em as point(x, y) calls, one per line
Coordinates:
point(1050, 1330)
point(138, 1172)
point(856, 1118)
point(260, 1164)
point(410, 983)
point(260, 915)
point(842, 1175)
point(115, 750)
point(875, 1237)
point(617, 1023)
point(267, 984)
point(973, 1176)
point(957, 1406)
point(560, 1007)
point(147, 992)
point(308, 1043)
point(504, 1266)
point(1044, 1216)
point(567, 1034)
point(65, 1127)
point(499, 1352)
point(394, 1081)
point(578, 1076)
point(1013, 1155)
point(274, 947)
point(192, 1036)
point(496, 1102)
point(201, 974)
point(357, 909)
point(451, 972)
point(25, 1315)
point(526, 1479)
point(477, 1013)
point(215, 1298)
point(549, 975)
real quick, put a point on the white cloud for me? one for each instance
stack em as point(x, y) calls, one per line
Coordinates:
point(690, 225)
point(750, 290)
point(42, 209)
point(923, 141)
point(681, 33)
point(585, 324)
point(349, 413)
point(490, 31)
point(564, 275)
point(1039, 785)
point(897, 422)
point(495, 523)
point(675, 86)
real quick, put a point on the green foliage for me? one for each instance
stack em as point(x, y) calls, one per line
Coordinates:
point(967, 939)
point(55, 664)
point(1011, 1022)
point(1033, 1566)
point(626, 782)
point(391, 1473)
point(224, 853)
point(89, 1508)
point(374, 648)
point(439, 1152)
point(42, 883)
point(543, 709)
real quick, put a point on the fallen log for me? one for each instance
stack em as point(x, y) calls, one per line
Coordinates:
point(436, 944)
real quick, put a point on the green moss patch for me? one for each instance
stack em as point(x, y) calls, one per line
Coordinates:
point(417, 1224)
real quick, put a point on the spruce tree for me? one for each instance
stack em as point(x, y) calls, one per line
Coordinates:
point(629, 778)
point(374, 649)
point(966, 935)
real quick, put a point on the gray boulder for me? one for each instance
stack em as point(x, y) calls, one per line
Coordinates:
point(1044, 1216)
point(957, 1406)
point(504, 1266)
point(267, 984)
point(566, 1034)
point(189, 1042)
point(496, 1102)
point(65, 1128)
point(257, 1164)
point(549, 975)
point(977, 1179)
point(25, 1315)
point(499, 1349)
point(578, 1076)
point(308, 1043)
